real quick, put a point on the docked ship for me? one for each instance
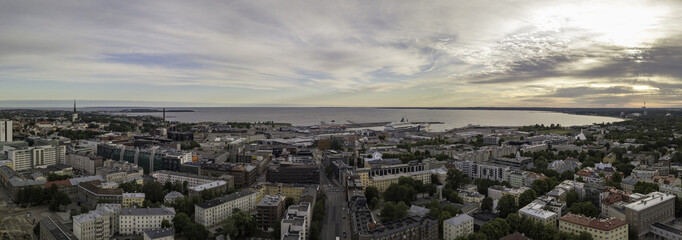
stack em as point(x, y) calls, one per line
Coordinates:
point(406, 126)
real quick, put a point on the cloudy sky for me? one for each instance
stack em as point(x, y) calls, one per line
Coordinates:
point(609, 53)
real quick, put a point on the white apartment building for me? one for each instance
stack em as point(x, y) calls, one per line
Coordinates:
point(99, 224)
point(492, 171)
point(34, 157)
point(296, 220)
point(535, 211)
point(213, 212)
point(192, 180)
point(136, 220)
point(5, 130)
point(460, 225)
point(84, 163)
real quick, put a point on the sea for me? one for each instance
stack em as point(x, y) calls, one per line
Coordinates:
point(307, 116)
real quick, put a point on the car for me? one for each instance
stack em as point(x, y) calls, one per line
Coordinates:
point(344, 234)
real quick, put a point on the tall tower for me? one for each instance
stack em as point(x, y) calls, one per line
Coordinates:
point(74, 117)
point(164, 114)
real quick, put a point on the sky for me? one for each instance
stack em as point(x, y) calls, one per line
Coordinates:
point(452, 53)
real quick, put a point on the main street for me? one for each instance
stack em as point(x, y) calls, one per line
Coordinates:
point(336, 219)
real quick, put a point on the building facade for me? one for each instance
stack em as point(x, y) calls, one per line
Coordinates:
point(460, 225)
point(655, 207)
point(136, 220)
point(132, 199)
point(606, 229)
point(213, 212)
point(6, 130)
point(269, 212)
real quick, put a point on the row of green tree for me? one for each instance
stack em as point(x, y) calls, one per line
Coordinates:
point(35, 195)
point(501, 227)
point(318, 216)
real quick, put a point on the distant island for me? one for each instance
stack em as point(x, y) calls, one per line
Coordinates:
point(153, 110)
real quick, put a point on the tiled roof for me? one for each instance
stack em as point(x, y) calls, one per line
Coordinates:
point(594, 223)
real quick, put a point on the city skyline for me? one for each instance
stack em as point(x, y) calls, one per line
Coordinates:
point(345, 53)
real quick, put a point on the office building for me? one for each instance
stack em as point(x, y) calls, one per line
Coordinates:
point(51, 229)
point(6, 130)
point(269, 212)
point(136, 220)
point(132, 199)
point(606, 229)
point(158, 234)
point(516, 163)
point(460, 225)
point(215, 211)
point(150, 159)
point(655, 207)
point(294, 173)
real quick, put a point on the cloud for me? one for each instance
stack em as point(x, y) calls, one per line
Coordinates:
point(507, 50)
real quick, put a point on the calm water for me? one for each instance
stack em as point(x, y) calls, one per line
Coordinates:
point(311, 116)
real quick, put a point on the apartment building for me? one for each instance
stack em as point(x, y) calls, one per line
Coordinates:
point(294, 173)
point(605, 229)
point(136, 220)
point(383, 182)
point(6, 130)
point(158, 234)
point(460, 225)
point(90, 194)
point(366, 174)
point(535, 211)
point(269, 211)
point(655, 207)
point(24, 159)
point(218, 186)
point(290, 190)
point(491, 171)
point(497, 192)
point(193, 180)
point(98, 224)
point(296, 221)
point(132, 199)
point(87, 164)
point(213, 212)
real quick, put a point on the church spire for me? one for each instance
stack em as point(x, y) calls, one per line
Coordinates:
point(74, 106)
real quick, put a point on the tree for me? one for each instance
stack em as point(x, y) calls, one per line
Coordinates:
point(507, 205)
point(195, 231)
point(165, 224)
point(393, 211)
point(456, 179)
point(571, 198)
point(244, 224)
point(496, 229)
point(567, 175)
point(180, 221)
point(487, 204)
point(513, 220)
point(527, 197)
point(645, 187)
point(288, 202)
point(372, 193)
point(153, 191)
point(584, 208)
point(400, 193)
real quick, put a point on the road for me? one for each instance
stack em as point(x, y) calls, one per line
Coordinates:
point(336, 219)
